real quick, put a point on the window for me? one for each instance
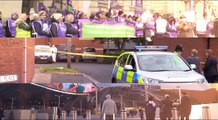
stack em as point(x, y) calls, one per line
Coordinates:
point(131, 61)
point(122, 60)
point(154, 63)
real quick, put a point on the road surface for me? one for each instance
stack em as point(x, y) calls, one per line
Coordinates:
point(93, 72)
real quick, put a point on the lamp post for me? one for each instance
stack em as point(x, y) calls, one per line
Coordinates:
point(180, 93)
point(96, 100)
point(12, 102)
point(59, 100)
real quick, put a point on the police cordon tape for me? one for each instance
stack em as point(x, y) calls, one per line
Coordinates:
point(78, 54)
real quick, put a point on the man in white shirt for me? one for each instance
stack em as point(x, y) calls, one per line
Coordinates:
point(54, 53)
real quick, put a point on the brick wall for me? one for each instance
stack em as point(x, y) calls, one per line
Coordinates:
point(30, 60)
point(12, 58)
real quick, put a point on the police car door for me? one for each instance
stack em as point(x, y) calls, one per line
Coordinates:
point(121, 74)
point(130, 73)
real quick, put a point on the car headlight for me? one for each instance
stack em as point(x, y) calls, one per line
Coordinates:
point(202, 80)
point(151, 80)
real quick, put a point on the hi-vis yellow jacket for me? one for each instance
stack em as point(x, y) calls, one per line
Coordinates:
point(21, 33)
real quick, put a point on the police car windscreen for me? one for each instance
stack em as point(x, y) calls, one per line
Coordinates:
point(156, 63)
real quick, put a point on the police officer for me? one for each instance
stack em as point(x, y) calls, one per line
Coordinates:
point(58, 27)
point(72, 28)
point(41, 26)
point(1, 26)
point(178, 50)
point(10, 28)
point(23, 30)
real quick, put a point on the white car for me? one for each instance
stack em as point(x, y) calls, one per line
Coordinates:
point(43, 53)
point(89, 51)
point(154, 67)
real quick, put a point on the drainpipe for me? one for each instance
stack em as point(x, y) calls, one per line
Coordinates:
point(208, 43)
point(25, 60)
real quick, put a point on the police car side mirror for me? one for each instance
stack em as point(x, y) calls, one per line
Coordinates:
point(193, 66)
point(128, 68)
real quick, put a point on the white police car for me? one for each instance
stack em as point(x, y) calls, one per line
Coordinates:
point(154, 67)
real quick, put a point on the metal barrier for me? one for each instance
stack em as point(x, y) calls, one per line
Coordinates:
point(123, 115)
point(33, 114)
point(63, 115)
point(88, 114)
point(175, 114)
point(205, 112)
point(104, 117)
point(54, 115)
point(144, 116)
point(74, 114)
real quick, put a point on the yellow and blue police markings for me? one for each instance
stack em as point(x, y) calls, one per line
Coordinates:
point(126, 76)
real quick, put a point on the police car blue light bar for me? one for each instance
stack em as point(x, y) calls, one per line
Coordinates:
point(152, 48)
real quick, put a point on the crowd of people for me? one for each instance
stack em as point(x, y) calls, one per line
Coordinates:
point(209, 70)
point(184, 107)
point(166, 106)
point(56, 24)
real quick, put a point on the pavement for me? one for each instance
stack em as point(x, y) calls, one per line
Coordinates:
point(98, 117)
point(61, 78)
point(90, 73)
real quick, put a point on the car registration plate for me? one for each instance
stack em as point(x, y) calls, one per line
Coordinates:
point(43, 58)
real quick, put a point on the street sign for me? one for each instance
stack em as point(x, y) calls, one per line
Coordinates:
point(153, 87)
point(137, 87)
point(146, 87)
point(8, 78)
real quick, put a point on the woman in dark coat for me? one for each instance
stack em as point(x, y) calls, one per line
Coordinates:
point(150, 109)
point(185, 106)
point(210, 68)
point(165, 108)
point(72, 27)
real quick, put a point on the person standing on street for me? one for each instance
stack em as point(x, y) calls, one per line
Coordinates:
point(141, 114)
point(54, 51)
point(210, 68)
point(194, 59)
point(59, 113)
point(1, 113)
point(165, 108)
point(109, 108)
point(185, 106)
point(150, 109)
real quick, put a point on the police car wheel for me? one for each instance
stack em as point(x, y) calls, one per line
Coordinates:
point(114, 80)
